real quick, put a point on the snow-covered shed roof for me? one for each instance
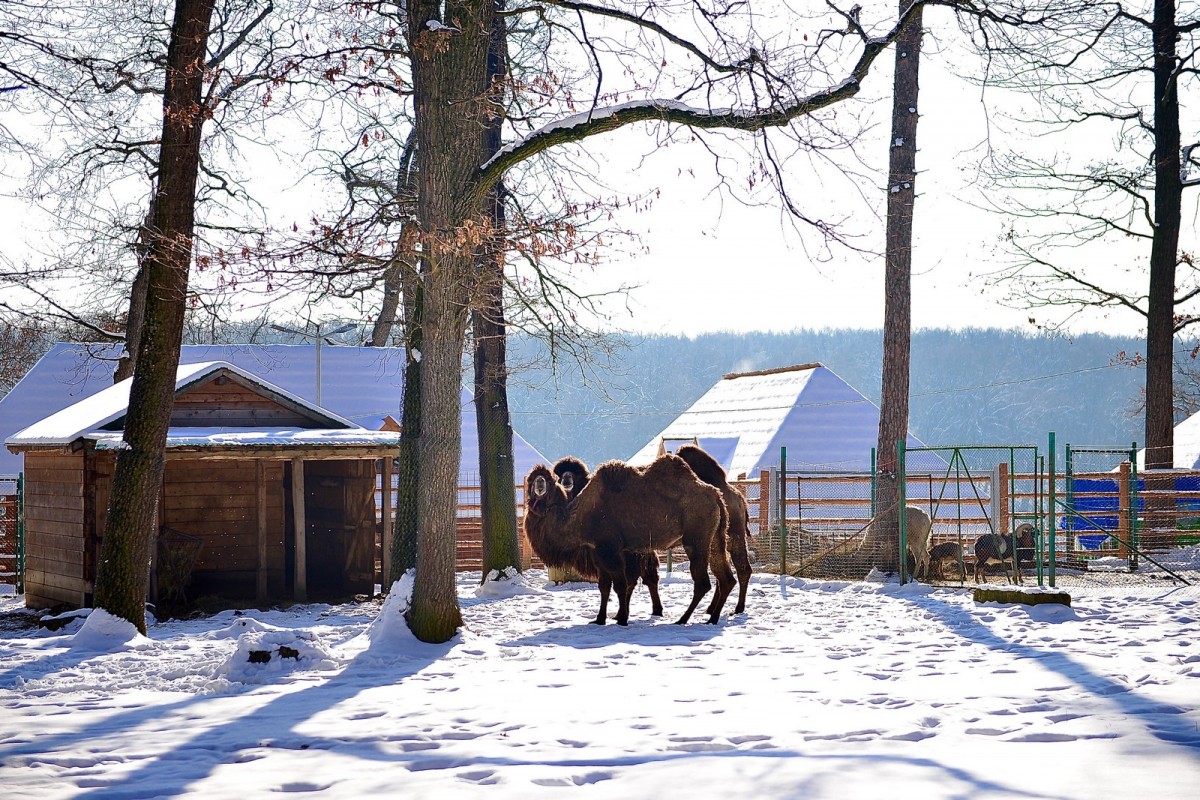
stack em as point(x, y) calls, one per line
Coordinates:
point(95, 418)
point(92, 413)
point(361, 385)
point(825, 423)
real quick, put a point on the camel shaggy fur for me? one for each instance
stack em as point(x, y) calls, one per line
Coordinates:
point(708, 470)
point(573, 475)
point(622, 511)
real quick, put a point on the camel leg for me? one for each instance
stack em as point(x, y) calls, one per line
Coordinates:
point(605, 587)
point(741, 561)
point(621, 584)
point(698, 564)
point(650, 578)
point(725, 581)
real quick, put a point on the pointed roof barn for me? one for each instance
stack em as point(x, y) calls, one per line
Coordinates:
point(359, 385)
point(745, 418)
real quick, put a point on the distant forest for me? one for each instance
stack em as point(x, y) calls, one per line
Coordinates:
point(992, 387)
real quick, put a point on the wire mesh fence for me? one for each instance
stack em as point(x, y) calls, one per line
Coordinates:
point(10, 545)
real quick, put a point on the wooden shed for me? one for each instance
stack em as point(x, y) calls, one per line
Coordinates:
point(266, 497)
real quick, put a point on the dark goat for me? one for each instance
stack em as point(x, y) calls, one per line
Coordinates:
point(993, 548)
point(946, 553)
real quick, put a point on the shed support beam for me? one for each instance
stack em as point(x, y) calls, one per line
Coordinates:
point(260, 573)
point(385, 502)
point(300, 584)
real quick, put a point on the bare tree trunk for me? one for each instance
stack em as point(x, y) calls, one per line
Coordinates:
point(1164, 250)
point(137, 303)
point(408, 473)
point(882, 543)
point(496, 479)
point(122, 577)
point(381, 331)
point(449, 68)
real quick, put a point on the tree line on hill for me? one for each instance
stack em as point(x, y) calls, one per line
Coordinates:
point(969, 387)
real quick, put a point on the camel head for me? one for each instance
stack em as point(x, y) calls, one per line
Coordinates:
point(572, 474)
point(543, 491)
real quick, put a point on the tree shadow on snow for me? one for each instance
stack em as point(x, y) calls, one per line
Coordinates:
point(1162, 720)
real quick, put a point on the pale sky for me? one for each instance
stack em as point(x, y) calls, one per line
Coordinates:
point(706, 262)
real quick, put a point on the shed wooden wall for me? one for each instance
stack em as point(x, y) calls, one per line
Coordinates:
point(222, 402)
point(218, 502)
point(54, 531)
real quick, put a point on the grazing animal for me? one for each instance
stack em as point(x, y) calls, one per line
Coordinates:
point(623, 510)
point(997, 548)
point(708, 470)
point(917, 533)
point(943, 554)
point(573, 475)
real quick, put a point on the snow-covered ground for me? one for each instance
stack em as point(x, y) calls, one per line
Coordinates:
point(821, 690)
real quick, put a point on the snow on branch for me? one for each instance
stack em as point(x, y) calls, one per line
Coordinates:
point(599, 120)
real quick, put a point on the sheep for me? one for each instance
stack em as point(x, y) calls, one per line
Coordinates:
point(946, 553)
point(993, 548)
point(919, 530)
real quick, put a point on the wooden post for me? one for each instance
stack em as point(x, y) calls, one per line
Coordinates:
point(300, 583)
point(260, 572)
point(1004, 523)
point(764, 501)
point(1123, 514)
point(385, 538)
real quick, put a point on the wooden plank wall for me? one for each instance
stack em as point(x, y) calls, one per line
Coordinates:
point(54, 531)
point(228, 404)
point(218, 502)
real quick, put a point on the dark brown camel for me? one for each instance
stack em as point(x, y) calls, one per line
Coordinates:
point(708, 470)
point(573, 475)
point(623, 510)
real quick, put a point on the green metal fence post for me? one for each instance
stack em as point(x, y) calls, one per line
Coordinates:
point(1134, 543)
point(783, 511)
point(1052, 487)
point(903, 511)
point(873, 467)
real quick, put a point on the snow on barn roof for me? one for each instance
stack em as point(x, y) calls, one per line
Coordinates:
point(745, 418)
point(360, 384)
point(86, 419)
point(1186, 445)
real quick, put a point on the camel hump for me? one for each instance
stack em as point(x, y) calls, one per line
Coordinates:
point(704, 465)
point(615, 476)
point(669, 470)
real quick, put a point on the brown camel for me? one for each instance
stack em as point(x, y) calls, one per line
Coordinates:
point(573, 475)
point(623, 511)
point(708, 470)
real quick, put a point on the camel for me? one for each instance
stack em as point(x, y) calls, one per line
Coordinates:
point(573, 475)
point(708, 470)
point(623, 511)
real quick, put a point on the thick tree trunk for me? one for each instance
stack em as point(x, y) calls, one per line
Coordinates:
point(408, 472)
point(1164, 251)
point(1164, 258)
point(882, 543)
point(449, 68)
point(498, 499)
point(122, 576)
